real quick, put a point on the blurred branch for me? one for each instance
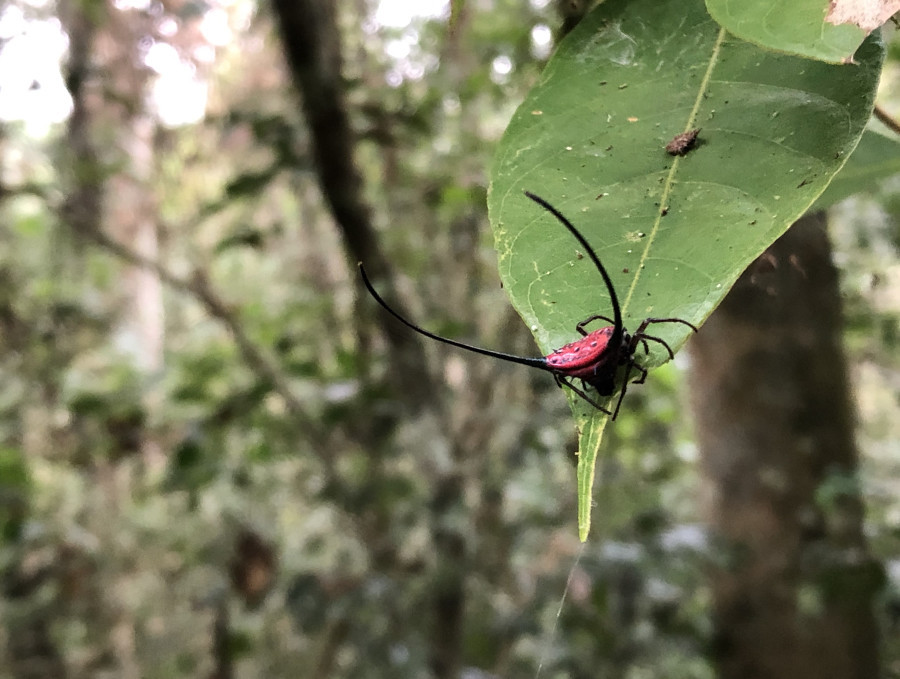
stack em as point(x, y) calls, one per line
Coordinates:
point(35, 189)
point(887, 119)
point(312, 46)
point(198, 286)
point(222, 643)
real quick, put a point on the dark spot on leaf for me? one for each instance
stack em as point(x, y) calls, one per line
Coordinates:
point(682, 144)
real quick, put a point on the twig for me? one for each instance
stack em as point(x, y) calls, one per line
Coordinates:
point(886, 118)
point(198, 287)
point(312, 47)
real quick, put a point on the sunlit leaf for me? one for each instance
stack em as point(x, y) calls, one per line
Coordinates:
point(796, 27)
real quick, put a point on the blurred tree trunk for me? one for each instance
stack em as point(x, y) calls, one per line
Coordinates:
point(108, 41)
point(108, 80)
point(793, 594)
point(312, 46)
point(131, 213)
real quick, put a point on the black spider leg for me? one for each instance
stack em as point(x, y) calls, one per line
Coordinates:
point(631, 364)
point(651, 321)
point(644, 338)
point(560, 380)
point(640, 369)
point(640, 337)
point(589, 319)
point(637, 339)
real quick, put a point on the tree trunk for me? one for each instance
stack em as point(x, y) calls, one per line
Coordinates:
point(793, 592)
point(312, 46)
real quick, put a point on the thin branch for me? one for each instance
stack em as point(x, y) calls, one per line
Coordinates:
point(82, 208)
point(198, 286)
point(886, 118)
point(312, 47)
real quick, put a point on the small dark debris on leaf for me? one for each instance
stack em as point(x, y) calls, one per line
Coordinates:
point(665, 211)
point(624, 270)
point(682, 143)
point(804, 183)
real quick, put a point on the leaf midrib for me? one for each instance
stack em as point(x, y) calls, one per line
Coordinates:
point(673, 169)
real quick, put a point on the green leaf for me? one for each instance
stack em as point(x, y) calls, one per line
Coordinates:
point(877, 157)
point(795, 27)
point(674, 232)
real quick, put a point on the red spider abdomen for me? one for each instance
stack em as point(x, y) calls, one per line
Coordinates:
point(582, 357)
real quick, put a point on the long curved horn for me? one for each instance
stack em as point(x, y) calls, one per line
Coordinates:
point(618, 327)
point(540, 363)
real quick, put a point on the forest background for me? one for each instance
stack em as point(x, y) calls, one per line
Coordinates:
point(219, 459)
